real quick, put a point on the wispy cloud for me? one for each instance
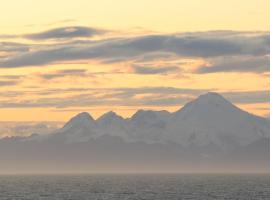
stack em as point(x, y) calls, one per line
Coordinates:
point(8, 47)
point(132, 97)
point(249, 97)
point(65, 33)
point(27, 128)
point(225, 51)
point(88, 97)
point(256, 64)
point(8, 82)
point(64, 73)
point(155, 70)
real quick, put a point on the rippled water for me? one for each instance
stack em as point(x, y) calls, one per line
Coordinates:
point(135, 187)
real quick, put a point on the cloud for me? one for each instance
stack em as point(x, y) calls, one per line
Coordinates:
point(11, 77)
point(13, 47)
point(155, 70)
point(65, 33)
point(7, 36)
point(8, 82)
point(225, 50)
point(249, 97)
point(122, 49)
point(27, 128)
point(88, 97)
point(133, 97)
point(64, 73)
point(254, 64)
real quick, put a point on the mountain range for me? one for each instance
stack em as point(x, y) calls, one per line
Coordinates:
point(208, 134)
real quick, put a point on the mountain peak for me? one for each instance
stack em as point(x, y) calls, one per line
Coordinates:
point(84, 115)
point(143, 113)
point(108, 116)
point(207, 102)
point(81, 118)
point(110, 113)
point(211, 98)
point(150, 115)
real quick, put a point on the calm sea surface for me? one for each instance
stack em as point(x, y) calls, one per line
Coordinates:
point(135, 187)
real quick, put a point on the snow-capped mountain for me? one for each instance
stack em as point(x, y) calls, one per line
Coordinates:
point(112, 124)
point(148, 126)
point(207, 134)
point(208, 120)
point(80, 128)
point(212, 119)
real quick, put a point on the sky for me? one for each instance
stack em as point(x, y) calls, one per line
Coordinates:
point(59, 58)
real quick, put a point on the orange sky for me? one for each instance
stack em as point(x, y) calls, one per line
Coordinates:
point(58, 58)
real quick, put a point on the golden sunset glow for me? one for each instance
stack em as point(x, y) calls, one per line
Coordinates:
point(58, 58)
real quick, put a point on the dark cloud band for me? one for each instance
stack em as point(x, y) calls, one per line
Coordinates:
point(65, 33)
point(226, 50)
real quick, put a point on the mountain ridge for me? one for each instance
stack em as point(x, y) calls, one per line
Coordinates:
point(208, 119)
point(207, 133)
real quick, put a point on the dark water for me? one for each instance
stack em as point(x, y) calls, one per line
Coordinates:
point(135, 187)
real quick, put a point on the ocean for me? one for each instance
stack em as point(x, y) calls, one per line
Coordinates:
point(135, 187)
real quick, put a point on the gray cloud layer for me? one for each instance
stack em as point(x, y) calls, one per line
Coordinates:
point(241, 48)
point(154, 70)
point(65, 33)
point(64, 73)
point(8, 82)
point(13, 47)
point(238, 64)
point(88, 97)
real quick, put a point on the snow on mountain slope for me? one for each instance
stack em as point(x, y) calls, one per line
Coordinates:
point(212, 119)
point(80, 128)
point(148, 126)
point(79, 121)
point(112, 124)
